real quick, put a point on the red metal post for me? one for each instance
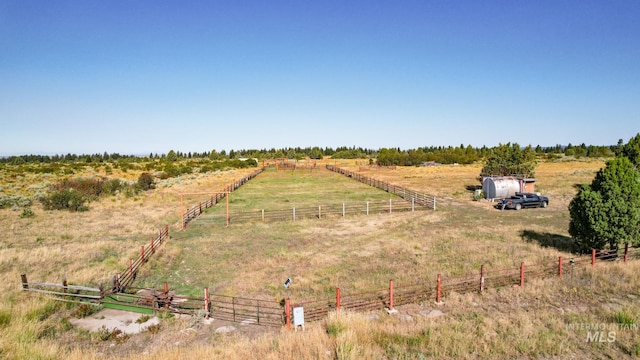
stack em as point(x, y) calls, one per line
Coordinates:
point(626, 252)
point(521, 274)
point(560, 266)
point(391, 295)
point(206, 302)
point(593, 257)
point(337, 298)
point(438, 289)
point(287, 312)
point(481, 278)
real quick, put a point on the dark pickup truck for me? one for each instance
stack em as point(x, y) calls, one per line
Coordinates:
point(523, 200)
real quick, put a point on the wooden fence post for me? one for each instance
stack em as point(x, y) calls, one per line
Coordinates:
point(338, 299)
point(262, 215)
point(64, 284)
point(434, 203)
point(521, 274)
point(390, 206)
point(560, 267)
point(287, 313)
point(626, 252)
point(413, 205)
point(294, 214)
point(367, 208)
point(25, 283)
point(343, 209)
point(593, 257)
point(166, 295)
point(481, 278)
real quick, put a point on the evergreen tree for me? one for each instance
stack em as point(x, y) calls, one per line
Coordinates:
point(607, 212)
point(631, 150)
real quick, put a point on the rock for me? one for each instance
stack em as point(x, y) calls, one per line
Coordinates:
point(435, 314)
point(225, 329)
point(405, 317)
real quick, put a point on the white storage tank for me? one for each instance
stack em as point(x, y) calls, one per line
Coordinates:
point(501, 187)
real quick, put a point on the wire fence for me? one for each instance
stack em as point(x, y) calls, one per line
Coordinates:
point(313, 212)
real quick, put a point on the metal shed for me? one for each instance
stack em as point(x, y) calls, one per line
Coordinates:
point(506, 186)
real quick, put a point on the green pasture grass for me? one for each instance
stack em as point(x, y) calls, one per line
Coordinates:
point(356, 253)
point(285, 189)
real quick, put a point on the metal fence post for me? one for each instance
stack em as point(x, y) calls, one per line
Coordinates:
point(521, 274)
point(206, 303)
point(438, 289)
point(391, 295)
point(287, 312)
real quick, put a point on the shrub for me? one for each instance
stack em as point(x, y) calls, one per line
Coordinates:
point(15, 201)
point(145, 181)
point(479, 195)
point(84, 310)
point(68, 199)
point(27, 213)
point(111, 186)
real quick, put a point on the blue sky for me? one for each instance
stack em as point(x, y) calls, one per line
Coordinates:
point(136, 77)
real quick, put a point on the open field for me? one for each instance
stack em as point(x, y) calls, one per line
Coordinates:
point(354, 253)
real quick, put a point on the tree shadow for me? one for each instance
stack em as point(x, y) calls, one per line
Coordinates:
point(473, 188)
point(560, 242)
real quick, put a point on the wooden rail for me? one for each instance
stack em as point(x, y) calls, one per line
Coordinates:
point(422, 199)
point(196, 210)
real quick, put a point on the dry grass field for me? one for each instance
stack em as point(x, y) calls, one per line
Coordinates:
point(545, 319)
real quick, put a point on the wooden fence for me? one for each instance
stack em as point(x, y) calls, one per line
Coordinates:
point(122, 280)
point(425, 200)
point(272, 313)
point(196, 210)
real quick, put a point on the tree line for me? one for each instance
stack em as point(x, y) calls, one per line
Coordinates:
point(385, 156)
